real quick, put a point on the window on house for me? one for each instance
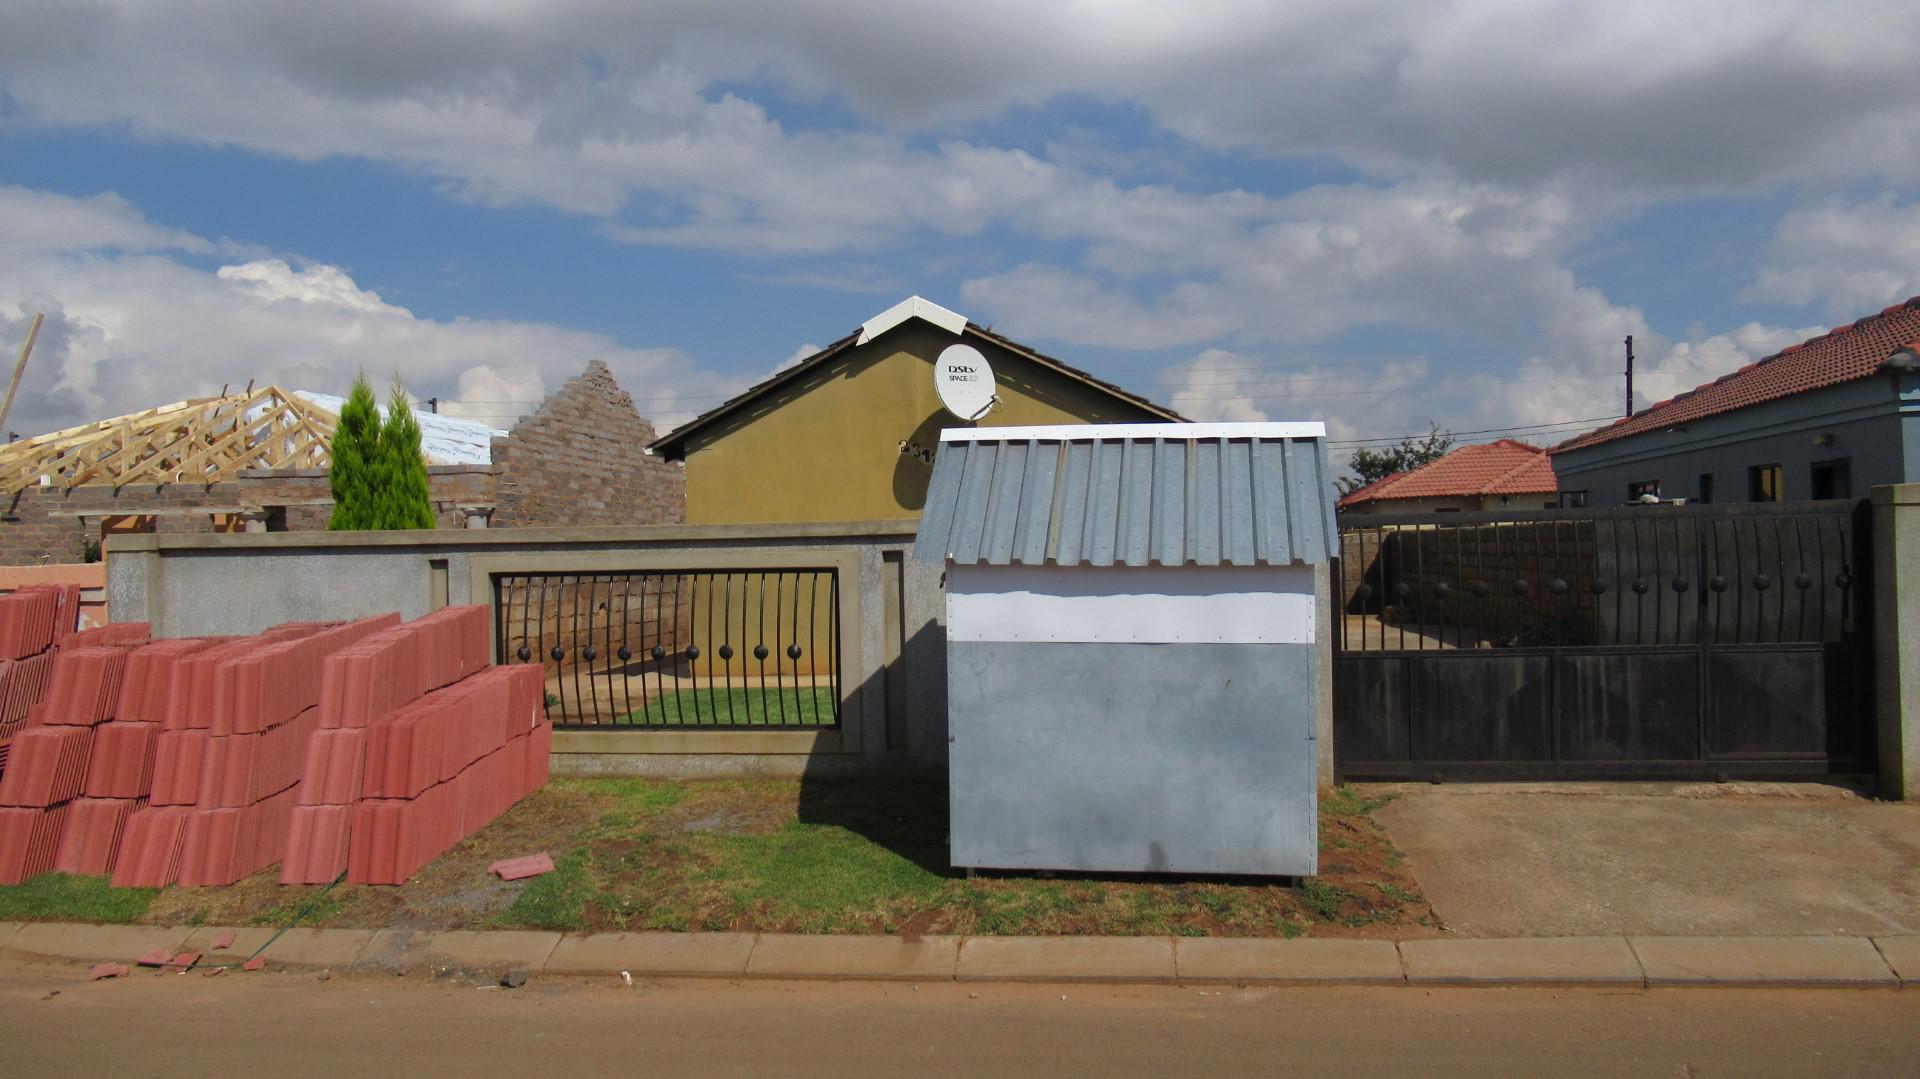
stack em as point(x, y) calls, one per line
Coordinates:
point(1765, 483)
point(1573, 500)
point(1641, 488)
point(1832, 479)
point(1706, 488)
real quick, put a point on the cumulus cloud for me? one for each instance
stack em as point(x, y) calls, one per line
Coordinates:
point(127, 331)
point(638, 113)
point(1849, 258)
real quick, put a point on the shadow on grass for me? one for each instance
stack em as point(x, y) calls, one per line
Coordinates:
point(906, 815)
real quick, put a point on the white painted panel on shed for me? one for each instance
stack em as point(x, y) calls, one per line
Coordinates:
point(1131, 604)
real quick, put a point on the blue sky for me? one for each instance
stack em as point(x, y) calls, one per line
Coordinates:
point(1351, 212)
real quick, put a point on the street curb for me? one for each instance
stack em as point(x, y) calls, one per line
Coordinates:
point(1611, 962)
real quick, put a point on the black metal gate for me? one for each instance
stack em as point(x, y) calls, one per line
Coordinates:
point(741, 649)
point(1646, 641)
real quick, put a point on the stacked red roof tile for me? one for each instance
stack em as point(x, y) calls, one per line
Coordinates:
point(34, 623)
point(420, 746)
point(48, 760)
point(204, 761)
point(1503, 467)
point(234, 718)
point(1843, 354)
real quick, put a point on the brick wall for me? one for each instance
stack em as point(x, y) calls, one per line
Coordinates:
point(580, 460)
point(44, 525)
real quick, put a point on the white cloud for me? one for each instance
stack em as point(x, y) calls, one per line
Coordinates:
point(130, 331)
point(633, 112)
point(38, 222)
point(1850, 258)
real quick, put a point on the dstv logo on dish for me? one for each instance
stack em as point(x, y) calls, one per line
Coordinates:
point(958, 373)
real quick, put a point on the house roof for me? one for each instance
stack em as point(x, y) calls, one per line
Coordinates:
point(673, 443)
point(1505, 467)
point(1212, 494)
point(209, 439)
point(1842, 354)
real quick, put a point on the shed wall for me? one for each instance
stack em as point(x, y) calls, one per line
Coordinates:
point(1133, 757)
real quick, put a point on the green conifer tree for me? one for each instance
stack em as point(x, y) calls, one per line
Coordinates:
point(402, 499)
point(355, 460)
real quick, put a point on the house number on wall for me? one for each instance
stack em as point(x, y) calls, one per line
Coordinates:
point(915, 449)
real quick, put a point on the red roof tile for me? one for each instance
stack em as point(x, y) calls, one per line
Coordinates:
point(1506, 467)
point(1842, 354)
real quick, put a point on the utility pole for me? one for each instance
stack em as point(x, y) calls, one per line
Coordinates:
point(1629, 376)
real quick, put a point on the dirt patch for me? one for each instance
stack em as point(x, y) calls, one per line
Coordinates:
point(454, 891)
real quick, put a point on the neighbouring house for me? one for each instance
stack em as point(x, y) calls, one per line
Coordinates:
point(851, 432)
point(257, 461)
point(1827, 418)
point(1502, 475)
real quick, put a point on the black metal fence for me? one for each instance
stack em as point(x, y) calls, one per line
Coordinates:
point(1653, 575)
point(734, 649)
point(1644, 641)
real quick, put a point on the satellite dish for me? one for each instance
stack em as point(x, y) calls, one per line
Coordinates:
point(964, 380)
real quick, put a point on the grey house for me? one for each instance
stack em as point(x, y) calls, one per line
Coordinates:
point(1827, 418)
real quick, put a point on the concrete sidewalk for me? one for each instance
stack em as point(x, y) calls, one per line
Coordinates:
point(1601, 961)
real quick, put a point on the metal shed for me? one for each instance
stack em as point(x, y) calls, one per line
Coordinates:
point(1131, 655)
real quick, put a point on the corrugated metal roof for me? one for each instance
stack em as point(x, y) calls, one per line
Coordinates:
point(1039, 496)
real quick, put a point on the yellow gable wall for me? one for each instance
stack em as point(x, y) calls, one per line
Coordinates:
point(828, 447)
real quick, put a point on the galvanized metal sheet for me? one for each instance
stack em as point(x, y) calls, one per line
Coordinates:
point(1133, 757)
point(1136, 501)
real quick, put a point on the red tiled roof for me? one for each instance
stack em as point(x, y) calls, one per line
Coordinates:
point(1505, 467)
point(1842, 354)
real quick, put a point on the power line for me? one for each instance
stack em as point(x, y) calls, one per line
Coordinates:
point(1482, 431)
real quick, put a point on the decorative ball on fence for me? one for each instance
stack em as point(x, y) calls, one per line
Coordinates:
point(793, 651)
point(1365, 591)
point(1842, 580)
point(558, 653)
point(626, 653)
point(1442, 589)
point(726, 651)
point(524, 653)
point(759, 651)
point(1680, 584)
point(1401, 590)
point(1521, 587)
point(1803, 582)
point(1479, 589)
point(589, 653)
point(1598, 585)
point(1640, 586)
point(1762, 582)
point(1718, 584)
point(659, 652)
point(693, 651)
point(1557, 586)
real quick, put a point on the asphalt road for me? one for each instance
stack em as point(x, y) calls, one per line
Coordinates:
point(54, 1022)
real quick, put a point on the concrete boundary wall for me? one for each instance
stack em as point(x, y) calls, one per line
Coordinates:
point(1896, 637)
point(893, 651)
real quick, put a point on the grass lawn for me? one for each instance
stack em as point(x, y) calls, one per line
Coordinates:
point(846, 856)
point(790, 706)
point(60, 897)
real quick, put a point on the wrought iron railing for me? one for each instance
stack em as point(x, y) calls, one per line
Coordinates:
point(733, 649)
point(1639, 576)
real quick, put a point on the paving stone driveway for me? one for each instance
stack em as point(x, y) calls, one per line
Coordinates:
point(1500, 860)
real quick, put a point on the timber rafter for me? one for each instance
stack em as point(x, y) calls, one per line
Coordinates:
point(203, 440)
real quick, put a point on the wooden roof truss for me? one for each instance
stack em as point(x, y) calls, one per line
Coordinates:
point(204, 440)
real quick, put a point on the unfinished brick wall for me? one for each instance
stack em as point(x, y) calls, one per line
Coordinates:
point(45, 525)
point(580, 460)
